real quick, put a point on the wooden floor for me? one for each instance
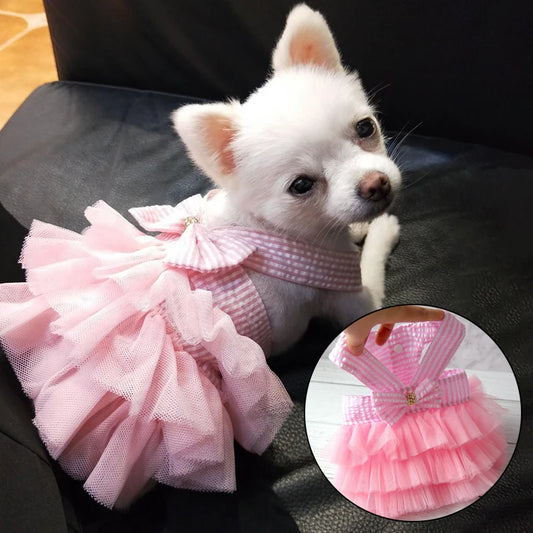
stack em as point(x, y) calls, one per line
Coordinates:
point(26, 57)
point(323, 408)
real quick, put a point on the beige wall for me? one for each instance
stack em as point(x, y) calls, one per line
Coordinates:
point(26, 58)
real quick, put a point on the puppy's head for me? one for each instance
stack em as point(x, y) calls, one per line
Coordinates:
point(304, 153)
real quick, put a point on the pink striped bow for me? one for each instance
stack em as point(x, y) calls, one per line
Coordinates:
point(392, 405)
point(197, 247)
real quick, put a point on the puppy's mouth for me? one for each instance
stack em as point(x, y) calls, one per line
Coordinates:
point(370, 209)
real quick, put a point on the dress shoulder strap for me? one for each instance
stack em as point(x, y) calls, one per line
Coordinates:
point(375, 375)
point(299, 262)
point(365, 367)
point(440, 351)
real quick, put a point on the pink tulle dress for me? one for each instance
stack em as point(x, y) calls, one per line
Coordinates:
point(426, 438)
point(145, 355)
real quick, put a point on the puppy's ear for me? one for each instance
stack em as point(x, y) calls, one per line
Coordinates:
point(306, 40)
point(207, 131)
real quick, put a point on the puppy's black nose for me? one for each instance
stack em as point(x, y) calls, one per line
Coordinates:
point(374, 186)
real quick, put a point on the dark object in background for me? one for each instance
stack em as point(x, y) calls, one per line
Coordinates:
point(463, 69)
point(464, 210)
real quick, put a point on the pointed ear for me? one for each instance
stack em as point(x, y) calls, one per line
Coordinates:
point(306, 40)
point(207, 131)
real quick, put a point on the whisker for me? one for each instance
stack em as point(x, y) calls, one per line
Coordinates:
point(417, 180)
point(396, 145)
point(327, 231)
point(372, 93)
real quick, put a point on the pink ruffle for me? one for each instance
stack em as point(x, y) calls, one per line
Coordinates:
point(425, 461)
point(99, 337)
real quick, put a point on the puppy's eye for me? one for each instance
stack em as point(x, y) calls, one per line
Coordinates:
point(301, 185)
point(365, 128)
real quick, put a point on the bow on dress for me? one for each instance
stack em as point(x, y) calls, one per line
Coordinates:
point(198, 248)
point(393, 405)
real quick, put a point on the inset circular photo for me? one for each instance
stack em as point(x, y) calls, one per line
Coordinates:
point(413, 413)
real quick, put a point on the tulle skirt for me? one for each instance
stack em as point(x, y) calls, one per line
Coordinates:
point(426, 461)
point(100, 346)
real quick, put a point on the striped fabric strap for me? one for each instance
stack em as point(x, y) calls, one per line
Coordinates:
point(190, 244)
point(440, 351)
point(299, 262)
point(365, 367)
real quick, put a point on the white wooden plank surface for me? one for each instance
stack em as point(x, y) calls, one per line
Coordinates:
point(323, 408)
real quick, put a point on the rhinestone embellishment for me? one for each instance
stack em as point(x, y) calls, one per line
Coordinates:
point(411, 398)
point(190, 220)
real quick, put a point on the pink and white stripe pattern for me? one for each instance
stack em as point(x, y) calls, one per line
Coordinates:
point(429, 387)
point(205, 249)
point(299, 262)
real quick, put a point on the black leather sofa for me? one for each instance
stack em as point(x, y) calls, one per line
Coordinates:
point(458, 71)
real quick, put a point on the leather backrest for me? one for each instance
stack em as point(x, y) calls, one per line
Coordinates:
point(461, 69)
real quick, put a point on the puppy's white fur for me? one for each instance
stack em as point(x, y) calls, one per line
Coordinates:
point(300, 122)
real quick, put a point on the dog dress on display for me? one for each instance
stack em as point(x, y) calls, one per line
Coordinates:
point(426, 437)
point(145, 355)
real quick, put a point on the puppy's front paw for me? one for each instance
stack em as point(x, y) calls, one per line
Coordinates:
point(385, 230)
point(383, 234)
point(358, 231)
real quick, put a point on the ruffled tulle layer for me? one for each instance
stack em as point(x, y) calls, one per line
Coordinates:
point(99, 341)
point(425, 461)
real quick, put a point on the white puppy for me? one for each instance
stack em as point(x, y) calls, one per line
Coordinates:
point(303, 156)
